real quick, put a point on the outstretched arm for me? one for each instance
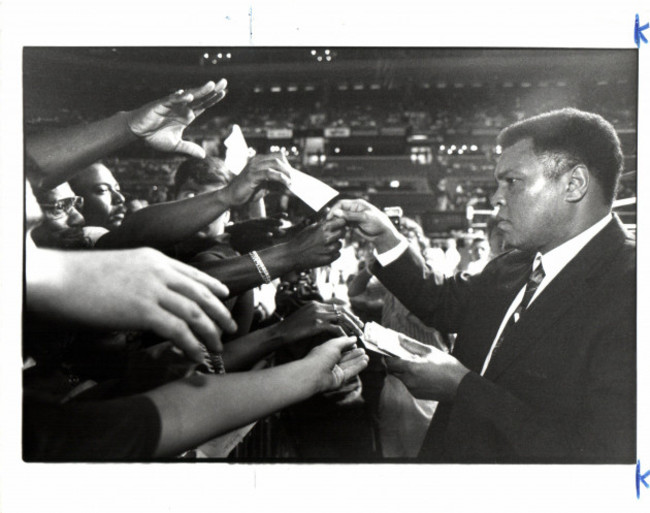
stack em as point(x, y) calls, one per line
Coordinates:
point(316, 245)
point(59, 155)
point(220, 403)
point(137, 289)
point(310, 320)
point(160, 226)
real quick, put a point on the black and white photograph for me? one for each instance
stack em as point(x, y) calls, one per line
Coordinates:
point(362, 261)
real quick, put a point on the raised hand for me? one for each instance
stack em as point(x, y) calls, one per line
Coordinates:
point(368, 221)
point(251, 184)
point(318, 244)
point(161, 123)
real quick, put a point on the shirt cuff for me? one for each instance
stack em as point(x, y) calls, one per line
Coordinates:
point(388, 257)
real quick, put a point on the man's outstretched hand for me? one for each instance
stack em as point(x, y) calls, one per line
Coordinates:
point(161, 123)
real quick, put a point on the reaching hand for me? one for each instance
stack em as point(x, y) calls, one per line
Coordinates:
point(336, 362)
point(435, 375)
point(260, 171)
point(368, 221)
point(161, 123)
point(318, 244)
point(139, 289)
point(314, 318)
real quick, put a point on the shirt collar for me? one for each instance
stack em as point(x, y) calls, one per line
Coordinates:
point(555, 260)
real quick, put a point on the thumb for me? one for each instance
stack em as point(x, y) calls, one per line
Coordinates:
point(355, 217)
point(191, 149)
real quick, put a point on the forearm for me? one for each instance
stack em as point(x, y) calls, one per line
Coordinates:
point(242, 353)
point(436, 301)
point(61, 154)
point(162, 225)
point(201, 407)
point(240, 273)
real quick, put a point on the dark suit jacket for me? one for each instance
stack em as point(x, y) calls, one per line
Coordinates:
point(562, 388)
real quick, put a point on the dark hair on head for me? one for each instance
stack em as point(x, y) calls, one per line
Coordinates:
point(207, 171)
point(568, 137)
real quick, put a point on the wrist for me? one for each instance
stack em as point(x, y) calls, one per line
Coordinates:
point(277, 337)
point(125, 119)
point(387, 241)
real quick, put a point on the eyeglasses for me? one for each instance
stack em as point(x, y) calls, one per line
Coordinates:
point(62, 207)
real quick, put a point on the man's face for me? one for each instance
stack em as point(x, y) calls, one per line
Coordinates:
point(532, 213)
point(189, 189)
point(62, 224)
point(103, 201)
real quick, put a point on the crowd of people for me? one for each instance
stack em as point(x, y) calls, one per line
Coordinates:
point(167, 330)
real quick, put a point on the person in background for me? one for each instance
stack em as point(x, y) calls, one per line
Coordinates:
point(479, 254)
point(104, 203)
point(63, 225)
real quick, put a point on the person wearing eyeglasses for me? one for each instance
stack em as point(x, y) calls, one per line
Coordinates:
point(62, 225)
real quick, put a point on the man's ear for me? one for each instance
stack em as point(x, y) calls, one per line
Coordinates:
point(578, 183)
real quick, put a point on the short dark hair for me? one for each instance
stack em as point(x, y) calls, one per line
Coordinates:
point(207, 171)
point(569, 137)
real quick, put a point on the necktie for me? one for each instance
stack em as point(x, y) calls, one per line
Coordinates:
point(532, 284)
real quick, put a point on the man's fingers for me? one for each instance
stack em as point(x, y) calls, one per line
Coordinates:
point(204, 90)
point(203, 298)
point(342, 343)
point(170, 327)
point(352, 354)
point(200, 104)
point(335, 224)
point(352, 217)
point(282, 176)
point(191, 149)
point(357, 322)
point(353, 366)
point(347, 321)
point(195, 318)
point(342, 207)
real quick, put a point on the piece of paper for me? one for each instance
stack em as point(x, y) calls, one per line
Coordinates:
point(386, 341)
point(312, 191)
point(236, 150)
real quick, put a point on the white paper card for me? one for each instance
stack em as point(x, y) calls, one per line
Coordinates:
point(386, 340)
point(236, 150)
point(312, 191)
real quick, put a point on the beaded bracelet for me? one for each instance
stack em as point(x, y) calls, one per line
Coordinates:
point(261, 268)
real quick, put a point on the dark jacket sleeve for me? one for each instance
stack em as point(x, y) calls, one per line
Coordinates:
point(437, 301)
point(586, 413)
point(125, 429)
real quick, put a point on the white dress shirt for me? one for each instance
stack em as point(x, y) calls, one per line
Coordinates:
point(552, 262)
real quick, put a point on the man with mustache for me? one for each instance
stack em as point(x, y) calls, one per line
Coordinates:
point(103, 201)
point(544, 365)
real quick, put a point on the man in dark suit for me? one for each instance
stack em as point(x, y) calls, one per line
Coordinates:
point(544, 365)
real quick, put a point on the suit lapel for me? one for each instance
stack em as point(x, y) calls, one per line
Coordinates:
point(472, 347)
point(565, 289)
